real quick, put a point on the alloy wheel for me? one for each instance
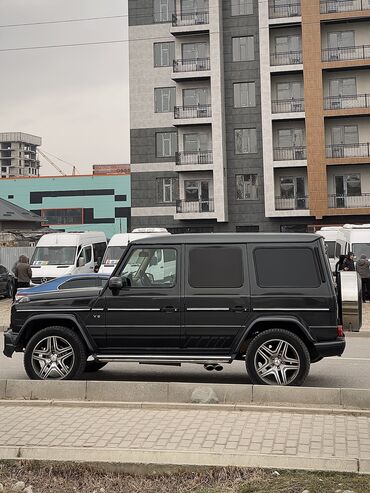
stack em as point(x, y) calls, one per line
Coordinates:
point(53, 358)
point(277, 362)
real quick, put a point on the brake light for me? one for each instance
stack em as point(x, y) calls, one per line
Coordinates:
point(340, 331)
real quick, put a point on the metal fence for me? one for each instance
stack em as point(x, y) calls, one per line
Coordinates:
point(346, 53)
point(333, 6)
point(290, 9)
point(343, 102)
point(190, 18)
point(288, 106)
point(348, 150)
point(9, 255)
point(191, 65)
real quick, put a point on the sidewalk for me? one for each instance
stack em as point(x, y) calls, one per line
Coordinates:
point(265, 438)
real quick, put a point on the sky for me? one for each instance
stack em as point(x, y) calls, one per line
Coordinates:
point(75, 98)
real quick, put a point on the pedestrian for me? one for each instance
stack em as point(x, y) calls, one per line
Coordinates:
point(363, 268)
point(349, 262)
point(23, 274)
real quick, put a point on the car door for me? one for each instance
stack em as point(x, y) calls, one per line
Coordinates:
point(217, 305)
point(144, 316)
point(3, 279)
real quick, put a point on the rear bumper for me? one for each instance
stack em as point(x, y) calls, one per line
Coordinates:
point(9, 342)
point(331, 348)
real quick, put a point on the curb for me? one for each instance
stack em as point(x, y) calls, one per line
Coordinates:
point(184, 458)
point(365, 333)
point(181, 393)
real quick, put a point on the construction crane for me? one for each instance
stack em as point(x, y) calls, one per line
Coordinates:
point(56, 166)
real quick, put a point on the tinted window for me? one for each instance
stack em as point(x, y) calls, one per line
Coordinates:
point(99, 249)
point(286, 268)
point(79, 283)
point(330, 246)
point(338, 250)
point(216, 267)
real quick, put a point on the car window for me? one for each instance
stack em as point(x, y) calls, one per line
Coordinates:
point(286, 267)
point(151, 267)
point(79, 283)
point(2, 270)
point(216, 267)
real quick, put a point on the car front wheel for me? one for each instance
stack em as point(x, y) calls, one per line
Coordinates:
point(277, 357)
point(55, 353)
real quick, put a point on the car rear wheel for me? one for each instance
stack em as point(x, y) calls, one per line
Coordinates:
point(277, 357)
point(10, 290)
point(55, 353)
point(93, 366)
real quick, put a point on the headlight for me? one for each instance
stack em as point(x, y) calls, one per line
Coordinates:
point(22, 299)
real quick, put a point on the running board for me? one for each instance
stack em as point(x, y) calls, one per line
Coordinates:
point(160, 359)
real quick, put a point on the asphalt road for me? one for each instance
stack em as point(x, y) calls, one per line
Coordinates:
point(352, 370)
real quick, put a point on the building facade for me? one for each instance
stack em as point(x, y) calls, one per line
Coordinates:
point(74, 203)
point(18, 154)
point(249, 115)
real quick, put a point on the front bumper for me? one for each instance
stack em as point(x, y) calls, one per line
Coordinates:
point(330, 348)
point(10, 339)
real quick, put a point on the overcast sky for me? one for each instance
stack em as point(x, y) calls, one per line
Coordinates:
point(75, 98)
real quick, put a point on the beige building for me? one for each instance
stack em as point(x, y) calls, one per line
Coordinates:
point(18, 155)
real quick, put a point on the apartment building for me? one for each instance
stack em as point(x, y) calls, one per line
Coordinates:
point(249, 115)
point(18, 155)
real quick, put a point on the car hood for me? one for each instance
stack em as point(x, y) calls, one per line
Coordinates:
point(68, 298)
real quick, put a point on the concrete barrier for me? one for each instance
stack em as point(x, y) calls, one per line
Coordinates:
point(180, 393)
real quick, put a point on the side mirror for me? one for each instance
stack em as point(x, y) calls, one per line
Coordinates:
point(115, 283)
point(81, 262)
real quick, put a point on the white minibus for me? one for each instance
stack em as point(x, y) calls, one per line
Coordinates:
point(330, 233)
point(60, 254)
point(353, 238)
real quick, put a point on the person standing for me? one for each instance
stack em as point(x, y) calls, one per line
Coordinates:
point(349, 262)
point(23, 274)
point(363, 268)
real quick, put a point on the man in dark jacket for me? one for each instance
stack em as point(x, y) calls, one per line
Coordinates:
point(363, 268)
point(349, 263)
point(23, 273)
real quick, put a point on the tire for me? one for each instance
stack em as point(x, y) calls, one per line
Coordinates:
point(93, 366)
point(55, 353)
point(9, 290)
point(265, 358)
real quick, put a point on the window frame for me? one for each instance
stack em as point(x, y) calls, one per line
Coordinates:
point(235, 141)
point(173, 152)
point(171, 49)
point(248, 94)
point(239, 4)
point(47, 222)
point(234, 52)
point(157, 15)
point(244, 182)
point(159, 95)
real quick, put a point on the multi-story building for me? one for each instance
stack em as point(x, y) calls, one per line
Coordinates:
point(18, 154)
point(249, 114)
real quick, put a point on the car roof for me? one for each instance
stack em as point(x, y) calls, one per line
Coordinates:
point(230, 238)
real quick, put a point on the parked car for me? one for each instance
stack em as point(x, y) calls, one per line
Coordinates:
point(266, 299)
point(81, 281)
point(7, 282)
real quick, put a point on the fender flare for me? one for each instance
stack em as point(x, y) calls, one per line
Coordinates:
point(62, 316)
point(276, 319)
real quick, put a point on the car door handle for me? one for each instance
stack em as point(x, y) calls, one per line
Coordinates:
point(238, 309)
point(169, 309)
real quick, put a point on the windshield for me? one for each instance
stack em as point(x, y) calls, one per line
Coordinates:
point(330, 245)
point(361, 249)
point(113, 254)
point(58, 255)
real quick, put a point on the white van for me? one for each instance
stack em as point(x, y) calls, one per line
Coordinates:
point(60, 254)
point(330, 233)
point(353, 238)
point(119, 242)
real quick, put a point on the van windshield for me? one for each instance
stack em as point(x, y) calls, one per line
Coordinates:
point(113, 254)
point(361, 249)
point(56, 255)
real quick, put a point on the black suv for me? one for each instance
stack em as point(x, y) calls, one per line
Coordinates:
point(267, 299)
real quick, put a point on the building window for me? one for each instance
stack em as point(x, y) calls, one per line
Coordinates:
point(341, 39)
point(245, 140)
point(243, 49)
point(241, 7)
point(198, 96)
point(244, 94)
point(62, 216)
point(164, 99)
point(348, 186)
point(166, 144)
point(166, 190)
point(343, 87)
point(163, 10)
point(247, 187)
point(164, 54)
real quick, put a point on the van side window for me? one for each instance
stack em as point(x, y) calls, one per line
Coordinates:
point(216, 267)
point(338, 250)
point(286, 268)
point(99, 249)
point(88, 255)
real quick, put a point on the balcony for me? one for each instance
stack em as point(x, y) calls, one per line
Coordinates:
point(194, 207)
point(334, 6)
point(288, 106)
point(296, 153)
point(348, 150)
point(349, 201)
point(193, 68)
point(361, 52)
point(194, 157)
point(290, 9)
point(347, 102)
point(291, 203)
point(200, 111)
point(190, 18)
point(288, 58)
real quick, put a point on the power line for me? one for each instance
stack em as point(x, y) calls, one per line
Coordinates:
point(22, 48)
point(85, 19)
